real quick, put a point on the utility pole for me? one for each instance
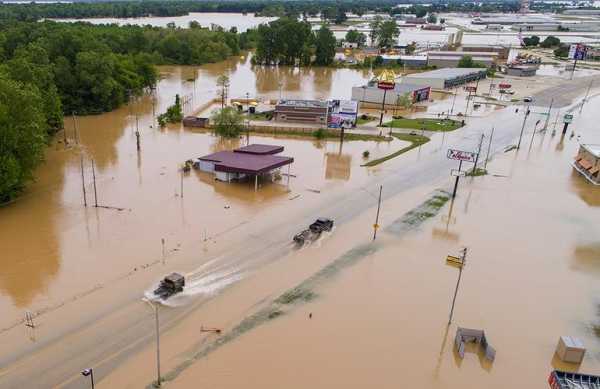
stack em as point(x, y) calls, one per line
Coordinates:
point(95, 192)
point(523, 127)
point(247, 118)
point(182, 172)
point(555, 122)
point(137, 132)
point(487, 157)
point(478, 153)
point(83, 183)
point(158, 379)
point(376, 225)
point(586, 96)
point(460, 269)
point(453, 101)
point(548, 115)
point(75, 128)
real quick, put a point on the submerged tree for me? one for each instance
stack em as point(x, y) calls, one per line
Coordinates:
point(174, 113)
point(223, 85)
point(227, 122)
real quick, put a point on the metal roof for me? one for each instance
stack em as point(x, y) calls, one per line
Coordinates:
point(230, 161)
point(593, 149)
point(445, 73)
point(259, 149)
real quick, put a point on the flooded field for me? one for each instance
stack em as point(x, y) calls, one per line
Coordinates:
point(206, 19)
point(70, 251)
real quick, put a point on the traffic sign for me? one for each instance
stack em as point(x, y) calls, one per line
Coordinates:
point(568, 118)
point(465, 156)
point(458, 173)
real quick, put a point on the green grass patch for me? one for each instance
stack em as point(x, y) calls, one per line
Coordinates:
point(363, 119)
point(415, 141)
point(262, 116)
point(322, 134)
point(427, 124)
point(477, 172)
point(294, 295)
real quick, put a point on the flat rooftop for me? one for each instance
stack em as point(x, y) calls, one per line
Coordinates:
point(445, 73)
point(302, 103)
point(460, 54)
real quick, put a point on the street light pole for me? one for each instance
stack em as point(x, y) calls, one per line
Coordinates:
point(460, 269)
point(523, 127)
point(89, 372)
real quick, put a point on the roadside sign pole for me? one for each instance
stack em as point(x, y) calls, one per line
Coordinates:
point(83, 183)
point(457, 178)
point(382, 107)
point(460, 269)
point(586, 96)
point(376, 225)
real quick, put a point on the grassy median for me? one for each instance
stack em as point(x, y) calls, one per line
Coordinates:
point(426, 124)
point(415, 141)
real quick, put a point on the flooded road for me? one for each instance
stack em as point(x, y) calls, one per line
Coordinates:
point(83, 271)
point(531, 276)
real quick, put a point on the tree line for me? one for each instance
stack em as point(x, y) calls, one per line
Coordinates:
point(332, 10)
point(50, 69)
point(287, 41)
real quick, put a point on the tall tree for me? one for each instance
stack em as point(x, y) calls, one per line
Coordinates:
point(22, 135)
point(355, 36)
point(325, 46)
point(387, 34)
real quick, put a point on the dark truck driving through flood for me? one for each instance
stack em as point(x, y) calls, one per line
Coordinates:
point(314, 230)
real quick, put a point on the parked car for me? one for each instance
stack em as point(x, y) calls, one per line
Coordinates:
point(528, 99)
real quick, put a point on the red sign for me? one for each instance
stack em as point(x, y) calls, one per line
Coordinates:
point(385, 85)
point(504, 86)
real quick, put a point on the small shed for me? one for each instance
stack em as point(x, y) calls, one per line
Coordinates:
point(195, 121)
point(587, 162)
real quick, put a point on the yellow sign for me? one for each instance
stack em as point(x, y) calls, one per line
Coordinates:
point(454, 260)
point(387, 76)
point(375, 226)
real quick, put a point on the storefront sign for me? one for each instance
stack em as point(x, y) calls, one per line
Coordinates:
point(386, 85)
point(465, 156)
point(504, 86)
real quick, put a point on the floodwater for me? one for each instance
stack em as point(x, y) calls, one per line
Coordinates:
point(531, 276)
point(56, 251)
point(206, 19)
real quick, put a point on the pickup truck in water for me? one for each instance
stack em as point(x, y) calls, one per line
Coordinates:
point(314, 230)
point(170, 285)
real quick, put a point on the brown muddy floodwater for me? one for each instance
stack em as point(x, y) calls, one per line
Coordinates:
point(532, 230)
point(55, 251)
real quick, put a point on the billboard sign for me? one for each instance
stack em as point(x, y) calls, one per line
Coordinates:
point(465, 156)
point(577, 51)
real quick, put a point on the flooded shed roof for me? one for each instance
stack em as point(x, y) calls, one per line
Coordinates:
point(260, 149)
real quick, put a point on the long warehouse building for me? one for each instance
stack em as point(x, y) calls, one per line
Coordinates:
point(445, 78)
